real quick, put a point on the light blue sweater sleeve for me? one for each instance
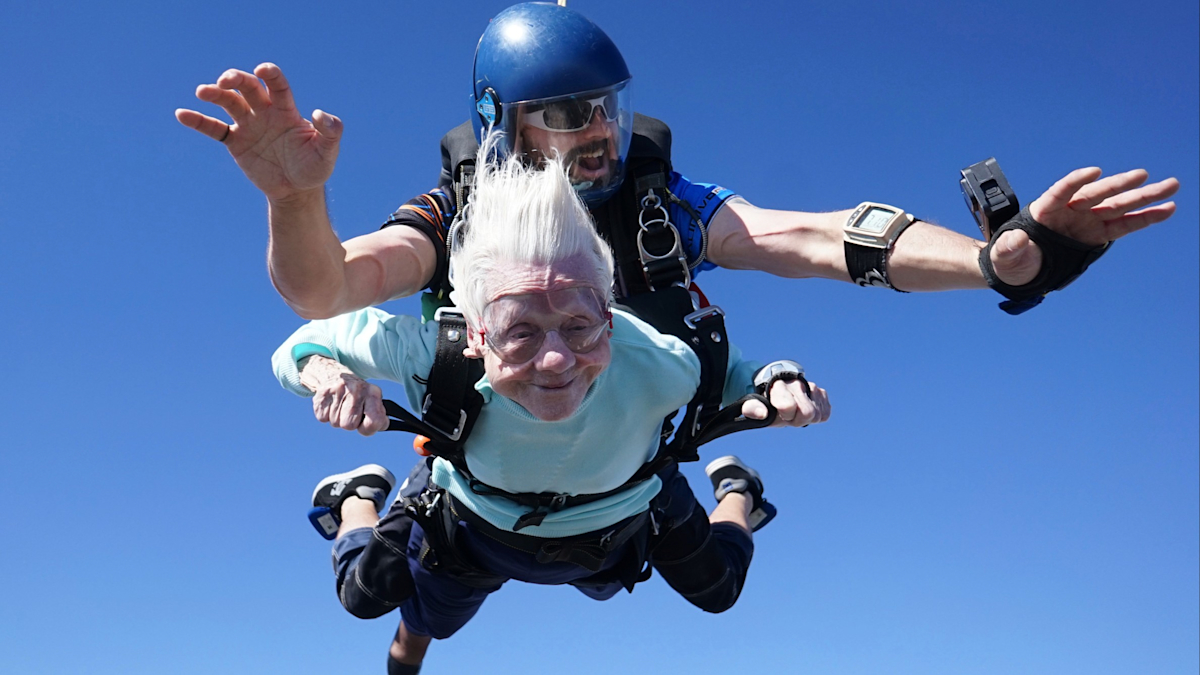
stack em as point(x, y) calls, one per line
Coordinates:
point(370, 342)
point(739, 376)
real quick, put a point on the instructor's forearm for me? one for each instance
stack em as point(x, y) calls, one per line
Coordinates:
point(794, 244)
point(927, 257)
point(305, 259)
point(321, 277)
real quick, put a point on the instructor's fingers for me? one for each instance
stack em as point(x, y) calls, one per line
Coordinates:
point(209, 126)
point(1094, 193)
point(329, 126)
point(1132, 222)
point(1060, 194)
point(1122, 203)
point(280, 91)
point(230, 101)
point(251, 89)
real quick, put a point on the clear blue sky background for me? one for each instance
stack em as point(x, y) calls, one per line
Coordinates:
point(994, 494)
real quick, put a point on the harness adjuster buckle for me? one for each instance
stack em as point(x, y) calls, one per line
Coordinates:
point(449, 312)
point(432, 504)
point(701, 314)
point(455, 433)
point(696, 420)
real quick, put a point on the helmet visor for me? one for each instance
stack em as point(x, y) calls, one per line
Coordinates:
point(590, 131)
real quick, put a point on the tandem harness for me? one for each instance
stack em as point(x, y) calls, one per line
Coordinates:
point(653, 282)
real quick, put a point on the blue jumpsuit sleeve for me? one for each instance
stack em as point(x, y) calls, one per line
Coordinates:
point(705, 199)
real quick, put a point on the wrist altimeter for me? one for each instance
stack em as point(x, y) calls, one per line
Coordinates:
point(988, 195)
point(869, 235)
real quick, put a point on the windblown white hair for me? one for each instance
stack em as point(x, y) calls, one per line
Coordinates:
point(520, 215)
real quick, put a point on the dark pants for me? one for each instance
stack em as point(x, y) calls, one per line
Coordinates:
point(379, 569)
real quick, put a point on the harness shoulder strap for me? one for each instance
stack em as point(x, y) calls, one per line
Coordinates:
point(651, 140)
point(459, 146)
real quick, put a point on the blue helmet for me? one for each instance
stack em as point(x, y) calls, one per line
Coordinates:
point(553, 82)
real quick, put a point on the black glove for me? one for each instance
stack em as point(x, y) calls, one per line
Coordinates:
point(1063, 260)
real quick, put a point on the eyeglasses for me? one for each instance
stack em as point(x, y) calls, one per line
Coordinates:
point(524, 321)
point(572, 114)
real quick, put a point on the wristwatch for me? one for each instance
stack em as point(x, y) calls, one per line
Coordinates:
point(869, 235)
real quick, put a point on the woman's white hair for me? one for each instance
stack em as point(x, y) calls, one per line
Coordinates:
point(520, 215)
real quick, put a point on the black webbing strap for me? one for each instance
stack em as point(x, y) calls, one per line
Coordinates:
point(730, 419)
point(445, 405)
point(720, 423)
point(726, 421)
point(439, 445)
point(588, 550)
point(451, 404)
point(670, 310)
point(439, 550)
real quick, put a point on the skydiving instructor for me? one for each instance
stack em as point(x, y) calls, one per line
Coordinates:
point(572, 98)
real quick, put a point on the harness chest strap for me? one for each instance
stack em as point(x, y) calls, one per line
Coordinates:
point(452, 405)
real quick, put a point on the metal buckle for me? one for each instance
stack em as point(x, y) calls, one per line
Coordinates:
point(429, 508)
point(703, 313)
point(696, 420)
point(558, 502)
point(448, 311)
point(453, 434)
point(650, 203)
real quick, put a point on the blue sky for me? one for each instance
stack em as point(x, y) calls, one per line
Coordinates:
point(994, 494)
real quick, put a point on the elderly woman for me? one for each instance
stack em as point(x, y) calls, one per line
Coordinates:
point(574, 394)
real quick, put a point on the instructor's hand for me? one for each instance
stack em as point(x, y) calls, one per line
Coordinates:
point(1087, 209)
point(795, 408)
point(282, 153)
point(343, 399)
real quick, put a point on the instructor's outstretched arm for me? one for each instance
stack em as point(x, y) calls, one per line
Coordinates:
point(290, 159)
point(927, 257)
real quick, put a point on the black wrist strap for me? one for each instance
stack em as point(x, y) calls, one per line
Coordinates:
point(868, 266)
point(1063, 260)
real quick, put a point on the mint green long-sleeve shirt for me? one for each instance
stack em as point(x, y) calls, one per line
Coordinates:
point(596, 449)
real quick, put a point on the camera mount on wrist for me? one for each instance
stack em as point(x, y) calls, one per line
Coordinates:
point(988, 196)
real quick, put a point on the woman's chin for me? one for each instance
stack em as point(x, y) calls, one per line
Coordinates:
point(552, 405)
